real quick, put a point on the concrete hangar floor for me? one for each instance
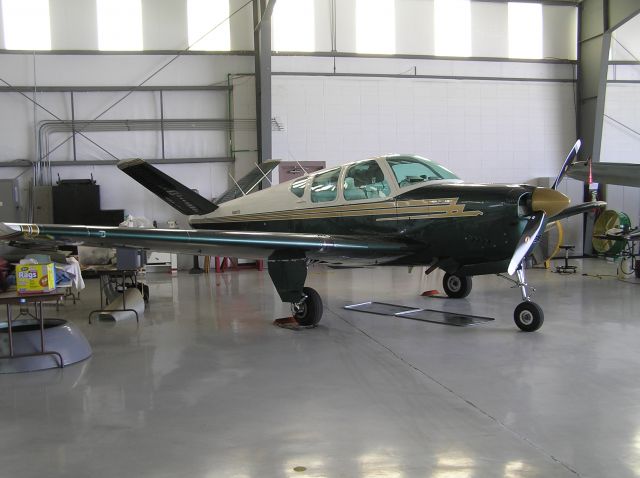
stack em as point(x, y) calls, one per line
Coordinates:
point(207, 386)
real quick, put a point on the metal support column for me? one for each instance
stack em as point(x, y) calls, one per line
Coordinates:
point(262, 44)
point(597, 20)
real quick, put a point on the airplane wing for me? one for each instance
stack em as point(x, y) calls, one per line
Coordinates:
point(246, 244)
point(608, 173)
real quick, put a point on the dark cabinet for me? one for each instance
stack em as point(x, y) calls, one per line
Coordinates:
point(78, 202)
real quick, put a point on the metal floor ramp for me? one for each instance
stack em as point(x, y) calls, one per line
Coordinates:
point(423, 315)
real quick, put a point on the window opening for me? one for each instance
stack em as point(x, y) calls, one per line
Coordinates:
point(208, 25)
point(325, 186)
point(365, 181)
point(26, 24)
point(293, 24)
point(375, 26)
point(452, 27)
point(525, 30)
point(119, 25)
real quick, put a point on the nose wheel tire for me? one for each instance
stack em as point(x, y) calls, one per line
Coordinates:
point(308, 312)
point(528, 316)
point(456, 286)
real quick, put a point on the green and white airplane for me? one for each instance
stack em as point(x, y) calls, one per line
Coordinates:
point(386, 211)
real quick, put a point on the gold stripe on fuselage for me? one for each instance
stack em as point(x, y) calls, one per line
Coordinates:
point(394, 210)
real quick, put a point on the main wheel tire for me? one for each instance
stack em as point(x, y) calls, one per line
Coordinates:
point(456, 286)
point(528, 316)
point(309, 312)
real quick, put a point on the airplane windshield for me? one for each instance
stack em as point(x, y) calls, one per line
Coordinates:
point(298, 186)
point(410, 170)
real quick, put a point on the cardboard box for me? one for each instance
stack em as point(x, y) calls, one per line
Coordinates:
point(35, 278)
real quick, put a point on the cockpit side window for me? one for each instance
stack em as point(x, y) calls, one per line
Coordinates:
point(412, 170)
point(325, 186)
point(365, 180)
point(299, 185)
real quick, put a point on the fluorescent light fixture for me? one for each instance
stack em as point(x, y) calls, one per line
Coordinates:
point(375, 26)
point(208, 24)
point(119, 25)
point(26, 24)
point(293, 24)
point(452, 27)
point(525, 30)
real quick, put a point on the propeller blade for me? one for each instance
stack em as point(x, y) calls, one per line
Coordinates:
point(567, 162)
point(527, 240)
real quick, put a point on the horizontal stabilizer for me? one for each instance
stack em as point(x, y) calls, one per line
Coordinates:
point(247, 184)
point(166, 188)
point(624, 174)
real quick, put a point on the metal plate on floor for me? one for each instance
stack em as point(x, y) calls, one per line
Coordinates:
point(423, 315)
point(380, 308)
point(446, 318)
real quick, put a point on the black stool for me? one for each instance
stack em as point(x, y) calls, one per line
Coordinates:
point(566, 268)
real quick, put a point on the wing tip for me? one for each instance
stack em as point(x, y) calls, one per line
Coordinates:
point(129, 163)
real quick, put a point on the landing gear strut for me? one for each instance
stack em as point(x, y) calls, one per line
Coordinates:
point(288, 271)
point(528, 315)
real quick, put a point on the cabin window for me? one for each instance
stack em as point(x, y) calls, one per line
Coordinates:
point(325, 186)
point(299, 185)
point(365, 180)
point(410, 170)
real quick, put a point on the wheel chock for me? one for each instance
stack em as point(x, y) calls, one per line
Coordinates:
point(436, 294)
point(291, 323)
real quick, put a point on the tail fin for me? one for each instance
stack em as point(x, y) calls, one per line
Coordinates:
point(166, 188)
point(247, 183)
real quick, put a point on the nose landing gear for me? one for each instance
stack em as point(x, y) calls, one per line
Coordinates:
point(528, 315)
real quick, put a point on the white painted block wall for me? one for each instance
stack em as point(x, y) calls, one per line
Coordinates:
point(485, 131)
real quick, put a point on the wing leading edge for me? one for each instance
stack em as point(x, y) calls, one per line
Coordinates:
point(233, 243)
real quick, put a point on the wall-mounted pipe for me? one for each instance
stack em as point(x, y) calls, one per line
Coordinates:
point(27, 163)
point(47, 128)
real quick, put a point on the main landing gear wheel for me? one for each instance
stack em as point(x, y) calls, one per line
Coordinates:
point(308, 312)
point(456, 286)
point(528, 316)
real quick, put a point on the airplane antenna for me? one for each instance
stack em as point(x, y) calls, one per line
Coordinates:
point(264, 176)
point(297, 162)
point(236, 183)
